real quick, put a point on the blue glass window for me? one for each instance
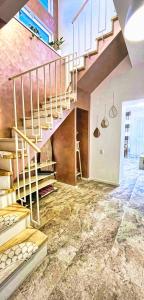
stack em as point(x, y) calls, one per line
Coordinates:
point(28, 19)
point(44, 3)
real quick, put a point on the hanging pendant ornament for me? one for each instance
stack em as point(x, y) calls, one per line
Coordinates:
point(113, 110)
point(105, 122)
point(97, 131)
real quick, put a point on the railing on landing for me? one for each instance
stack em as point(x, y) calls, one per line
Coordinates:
point(92, 20)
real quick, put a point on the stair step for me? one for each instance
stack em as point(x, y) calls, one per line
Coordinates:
point(5, 179)
point(42, 113)
point(13, 219)
point(19, 257)
point(6, 163)
point(7, 197)
point(43, 121)
point(33, 180)
point(6, 155)
point(43, 183)
point(40, 166)
point(31, 134)
point(9, 144)
point(63, 96)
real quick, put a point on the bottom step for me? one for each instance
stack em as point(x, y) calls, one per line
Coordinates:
point(19, 257)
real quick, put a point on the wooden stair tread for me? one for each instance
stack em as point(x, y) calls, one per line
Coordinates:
point(33, 180)
point(5, 173)
point(62, 95)
point(41, 185)
point(41, 165)
point(29, 235)
point(6, 155)
point(49, 109)
point(14, 208)
point(36, 117)
point(5, 192)
point(64, 99)
point(12, 214)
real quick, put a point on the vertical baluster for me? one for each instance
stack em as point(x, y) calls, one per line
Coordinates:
point(15, 102)
point(17, 165)
point(56, 98)
point(23, 169)
point(50, 93)
point(30, 185)
point(37, 190)
point(73, 73)
point(31, 103)
point(61, 92)
point(23, 105)
point(38, 103)
point(65, 75)
point(69, 81)
point(76, 80)
point(73, 38)
point(78, 51)
point(45, 96)
point(91, 25)
point(85, 33)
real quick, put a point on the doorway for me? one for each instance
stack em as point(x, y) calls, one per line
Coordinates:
point(132, 140)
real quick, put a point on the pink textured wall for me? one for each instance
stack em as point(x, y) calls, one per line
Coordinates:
point(17, 54)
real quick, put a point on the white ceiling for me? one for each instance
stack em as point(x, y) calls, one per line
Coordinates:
point(135, 49)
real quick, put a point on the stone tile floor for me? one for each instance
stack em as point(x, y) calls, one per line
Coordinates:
point(95, 242)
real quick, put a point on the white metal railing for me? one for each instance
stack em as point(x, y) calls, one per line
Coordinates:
point(27, 174)
point(41, 93)
point(92, 20)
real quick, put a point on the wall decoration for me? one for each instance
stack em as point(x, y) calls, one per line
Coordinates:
point(105, 122)
point(97, 131)
point(113, 110)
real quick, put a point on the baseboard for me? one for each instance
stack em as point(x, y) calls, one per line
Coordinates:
point(104, 181)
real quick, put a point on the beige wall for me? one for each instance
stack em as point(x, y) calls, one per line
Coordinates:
point(128, 84)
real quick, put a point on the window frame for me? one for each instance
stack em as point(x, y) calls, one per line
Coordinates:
point(37, 21)
point(50, 6)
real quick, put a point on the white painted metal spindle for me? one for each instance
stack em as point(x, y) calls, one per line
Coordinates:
point(85, 31)
point(45, 96)
point(61, 91)
point(30, 185)
point(56, 96)
point(76, 80)
point(37, 191)
point(23, 105)
point(38, 103)
point(31, 103)
point(17, 165)
point(50, 94)
point(15, 101)
point(23, 170)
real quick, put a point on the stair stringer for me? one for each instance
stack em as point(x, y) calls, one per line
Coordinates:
point(47, 134)
point(105, 46)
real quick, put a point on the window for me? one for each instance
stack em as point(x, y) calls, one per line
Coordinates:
point(28, 19)
point(48, 5)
